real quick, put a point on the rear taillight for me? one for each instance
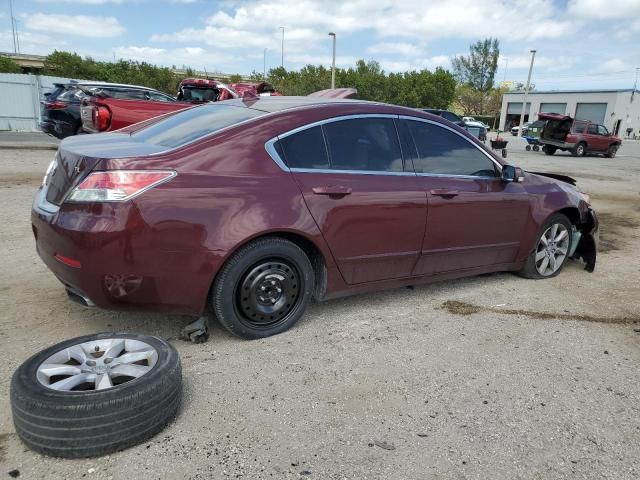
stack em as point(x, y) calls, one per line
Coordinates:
point(101, 117)
point(117, 185)
point(57, 105)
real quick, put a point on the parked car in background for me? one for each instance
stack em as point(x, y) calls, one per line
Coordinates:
point(478, 127)
point(516, 130)
point(250, 209)
point(104, 113)
point(473, 122)
point(61, 115)
point(561, 132)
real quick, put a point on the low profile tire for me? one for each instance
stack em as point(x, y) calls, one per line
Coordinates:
point(551, 250)
point(580, 150)
point(611, 152)
point(549, 150)
point(97, 394)
point(264, 288)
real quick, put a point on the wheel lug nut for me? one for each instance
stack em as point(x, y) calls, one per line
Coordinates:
point(279, 290)
point(273, 300)
point(273, 282)
point(263, 288)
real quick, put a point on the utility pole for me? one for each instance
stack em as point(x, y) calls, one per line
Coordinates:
point(526, 94)
point(333, 62)
point(282, 62)
point(17, 35)
point(264, 65)
point(13, 27)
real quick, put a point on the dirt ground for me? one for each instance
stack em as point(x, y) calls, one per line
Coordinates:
point(492, 377)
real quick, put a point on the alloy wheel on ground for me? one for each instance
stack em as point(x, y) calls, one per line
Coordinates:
point(552, 249)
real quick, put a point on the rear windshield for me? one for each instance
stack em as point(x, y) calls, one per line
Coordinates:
point(194, 123)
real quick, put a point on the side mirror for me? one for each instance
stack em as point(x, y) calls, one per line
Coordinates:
point(512, 174)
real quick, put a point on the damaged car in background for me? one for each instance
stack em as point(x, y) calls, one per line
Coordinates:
point(250, 209)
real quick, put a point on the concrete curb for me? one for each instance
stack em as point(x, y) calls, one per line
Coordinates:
point(28, 146)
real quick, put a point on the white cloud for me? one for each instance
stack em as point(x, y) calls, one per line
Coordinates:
point(35, 43)
point(429, 63)
point(601, 9)
point(615, 65)
point(196, 57)
point(390, 48)
point(79, 25)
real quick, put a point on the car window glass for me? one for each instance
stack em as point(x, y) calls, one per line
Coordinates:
point(592, 130)
point(305, 149)
point(451, 116)
point(193, 123)
point(602, 130)
point(158, 97)
point(366, 144)
point(441, 151)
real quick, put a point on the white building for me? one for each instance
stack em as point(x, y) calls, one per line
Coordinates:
point(618, 110)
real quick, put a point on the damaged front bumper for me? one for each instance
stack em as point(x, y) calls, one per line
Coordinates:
point(586, 239)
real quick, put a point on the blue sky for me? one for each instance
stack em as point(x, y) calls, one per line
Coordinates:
point(579, 43)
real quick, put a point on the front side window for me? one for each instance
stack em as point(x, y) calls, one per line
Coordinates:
point(364, 144)
point(443, 152)
point(602, 130)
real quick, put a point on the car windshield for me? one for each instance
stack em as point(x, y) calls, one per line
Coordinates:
point(193, 123)
point(199, 94)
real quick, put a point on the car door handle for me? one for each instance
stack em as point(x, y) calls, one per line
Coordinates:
point(443, 192)
point(335, 190)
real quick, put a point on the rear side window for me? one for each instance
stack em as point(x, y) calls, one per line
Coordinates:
point(443, 152)
point(592, 130)
point(193, 123)
point(305, 149)
point(364, 144)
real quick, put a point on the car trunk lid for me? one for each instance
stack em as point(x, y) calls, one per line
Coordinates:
point(77, 156)
point(556, 128)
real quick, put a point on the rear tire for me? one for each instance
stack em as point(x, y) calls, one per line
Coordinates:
point(549, 150)
point(580, 150)
point(264, 288)
point(551, 249)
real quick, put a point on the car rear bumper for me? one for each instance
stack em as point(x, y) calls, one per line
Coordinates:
point(58, 128)
point(106, 256)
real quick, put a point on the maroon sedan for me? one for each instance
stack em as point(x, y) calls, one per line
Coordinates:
point(250, 209)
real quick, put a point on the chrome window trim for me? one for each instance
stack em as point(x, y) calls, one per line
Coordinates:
point(271, 150)
point(437, 124)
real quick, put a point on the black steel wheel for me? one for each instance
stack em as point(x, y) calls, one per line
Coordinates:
point(264, 288)
point(268, 292)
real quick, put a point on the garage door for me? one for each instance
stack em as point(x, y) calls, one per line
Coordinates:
point(560, 108)
point(515, 108)
point(593, 112)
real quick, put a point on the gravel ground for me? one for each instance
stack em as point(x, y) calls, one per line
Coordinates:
point(488, 377)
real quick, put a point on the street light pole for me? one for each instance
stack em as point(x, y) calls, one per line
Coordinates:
point(526, 94)
point(282, 63)
point(264, 65)
point(13, 27)
point(333, 62)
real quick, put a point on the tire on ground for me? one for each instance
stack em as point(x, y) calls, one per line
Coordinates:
point(225, 294)
point(529, 268)
point(79, 424)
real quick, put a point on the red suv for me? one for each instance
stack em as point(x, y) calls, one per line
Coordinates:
point(252, 208)
point(579, 137)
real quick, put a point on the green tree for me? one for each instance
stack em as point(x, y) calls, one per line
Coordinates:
point(8, 65)
point(478, 69)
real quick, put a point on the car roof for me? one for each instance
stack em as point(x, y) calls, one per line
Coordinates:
point(105, 85)
point(278, 104)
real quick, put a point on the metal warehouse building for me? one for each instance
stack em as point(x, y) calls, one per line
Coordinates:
point(618, 110)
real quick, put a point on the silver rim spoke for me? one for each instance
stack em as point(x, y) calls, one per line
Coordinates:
point(97, 365)
point(552, 249)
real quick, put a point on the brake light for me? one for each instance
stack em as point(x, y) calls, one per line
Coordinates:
point(67, 261)
point(56, 105)
point(101, 117)
point(117, 185)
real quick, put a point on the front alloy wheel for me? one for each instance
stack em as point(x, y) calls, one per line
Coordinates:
point(552, 249)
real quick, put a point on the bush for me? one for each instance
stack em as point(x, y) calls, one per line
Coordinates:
point(8, 65)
